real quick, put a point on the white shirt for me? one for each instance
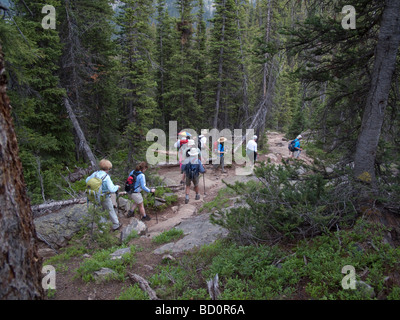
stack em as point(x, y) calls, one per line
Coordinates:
point(252, 145)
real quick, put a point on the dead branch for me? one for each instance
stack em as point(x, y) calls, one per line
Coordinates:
point(144, 285)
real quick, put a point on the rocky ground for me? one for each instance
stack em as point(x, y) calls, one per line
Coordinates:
point(196, 227)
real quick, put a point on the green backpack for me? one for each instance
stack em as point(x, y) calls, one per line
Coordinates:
point(94, 190)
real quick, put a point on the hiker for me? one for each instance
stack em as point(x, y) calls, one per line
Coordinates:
point(135, 194)
point(182, 147)
point(107, 188)
point(297, 149)
point(192, 166)
point(251, 150)
point(191, 144)
point(202, 145)
point(220, 151)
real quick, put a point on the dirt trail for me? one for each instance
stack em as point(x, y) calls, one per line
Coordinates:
point(278, 149)
point(179, 213)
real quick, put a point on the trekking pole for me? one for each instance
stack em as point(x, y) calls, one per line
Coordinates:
point(154, 194)
point(204, 183)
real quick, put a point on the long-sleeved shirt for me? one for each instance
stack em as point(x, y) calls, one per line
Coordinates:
point(107, 185)
point(140, 183)
point(252, 145)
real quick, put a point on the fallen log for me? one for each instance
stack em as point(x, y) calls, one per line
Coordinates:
point(52, 205)
point(144, 285)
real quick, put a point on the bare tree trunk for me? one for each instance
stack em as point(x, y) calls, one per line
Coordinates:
point(384, 66)
point(82, 140)
point(20, 265)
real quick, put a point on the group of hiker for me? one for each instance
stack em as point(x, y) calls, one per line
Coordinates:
point(191, 163)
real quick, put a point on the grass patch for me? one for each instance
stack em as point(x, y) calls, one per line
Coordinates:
point(310, 270)
point(168, 236)
point(102, 259)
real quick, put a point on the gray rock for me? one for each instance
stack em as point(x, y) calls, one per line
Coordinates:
point(103, 274)
point(135, 225)
point(117, 255)
point(366, 290)
point(59, 227)
point(198, 231)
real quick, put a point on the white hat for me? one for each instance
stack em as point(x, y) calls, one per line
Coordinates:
point(191, 142)
point(222, 139)
point(299, 137)
point(255, 137)
point(193, 152)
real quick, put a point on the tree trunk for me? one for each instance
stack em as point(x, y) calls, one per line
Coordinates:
point(20, 265)
point(384, 66)
point(82, 140)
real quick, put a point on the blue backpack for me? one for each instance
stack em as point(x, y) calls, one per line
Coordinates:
point(192, 170)
point(291, 146)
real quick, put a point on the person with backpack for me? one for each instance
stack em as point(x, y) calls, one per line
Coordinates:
point(220, 153)
point(99, 187)
point(182, 146)
point(134, 190)
point(295, 148)
point(251, 150)
point(192, 167)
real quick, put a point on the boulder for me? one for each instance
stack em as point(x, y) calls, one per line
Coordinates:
point(104, 274)
point(135, 225)
point(198, 231)
point(59, 227)
point(117, 255)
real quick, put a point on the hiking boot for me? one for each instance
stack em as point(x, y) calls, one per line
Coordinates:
point(186, 200)
point(197, 197)
point(131, 213)
point(119, 227)
point(146, 218)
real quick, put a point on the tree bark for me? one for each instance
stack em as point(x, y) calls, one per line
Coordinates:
point(20, 265)
point(384, 66)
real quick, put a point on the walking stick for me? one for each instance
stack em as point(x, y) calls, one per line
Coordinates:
point(204, 183)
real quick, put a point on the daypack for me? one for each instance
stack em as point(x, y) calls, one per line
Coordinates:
point(192, 170)
point(291, 146)
point(130, 182)
point(94, 190)
point(216, 146)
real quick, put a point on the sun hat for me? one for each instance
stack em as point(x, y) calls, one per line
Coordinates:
point(222, 139)
point(255, 137)
point(299, 137)
point(193, 152)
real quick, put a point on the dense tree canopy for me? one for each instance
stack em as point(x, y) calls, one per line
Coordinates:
point(129, 66)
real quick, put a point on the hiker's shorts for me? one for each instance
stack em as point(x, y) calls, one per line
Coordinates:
point(136, 197)
point(195, 181)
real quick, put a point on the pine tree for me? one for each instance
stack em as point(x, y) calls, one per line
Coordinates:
point(180, 92)
point(136, 41)
point(224, 83)
point(42, 126)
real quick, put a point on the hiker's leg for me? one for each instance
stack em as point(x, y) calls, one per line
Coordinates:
point(222, 164)
point(108, 205)
point(142, 210)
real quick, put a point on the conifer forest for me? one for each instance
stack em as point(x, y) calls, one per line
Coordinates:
point(85, 80)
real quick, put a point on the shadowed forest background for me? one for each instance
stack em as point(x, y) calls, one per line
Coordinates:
point(119, 69)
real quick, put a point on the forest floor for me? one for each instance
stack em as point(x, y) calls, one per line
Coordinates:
point(70, 287)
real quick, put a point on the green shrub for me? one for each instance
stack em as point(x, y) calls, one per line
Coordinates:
point(284, 205)
point(168, 236)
